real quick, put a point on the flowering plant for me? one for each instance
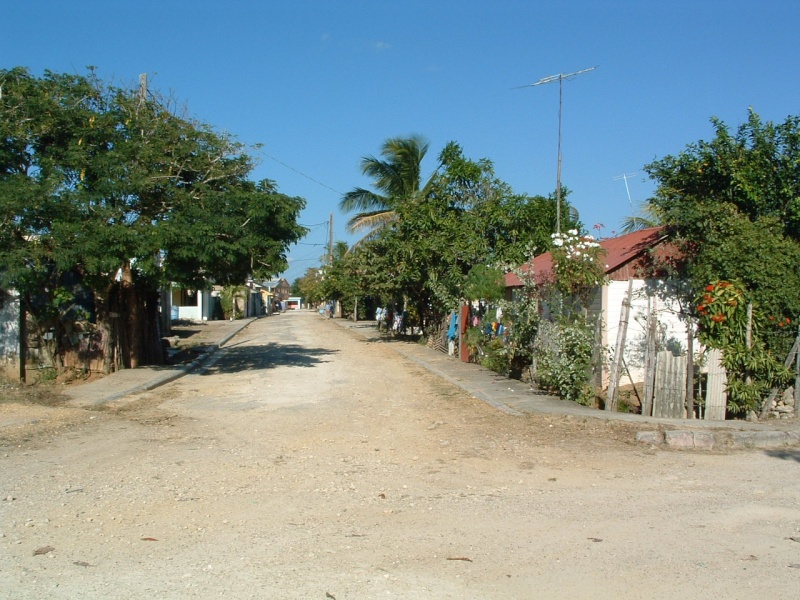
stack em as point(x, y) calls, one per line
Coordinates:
point(578, 264)
point(722, 308)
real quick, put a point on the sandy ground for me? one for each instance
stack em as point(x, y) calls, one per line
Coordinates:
point(309, 463)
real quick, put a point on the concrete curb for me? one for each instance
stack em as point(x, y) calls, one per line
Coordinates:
point(682, 439)
point(174, 373)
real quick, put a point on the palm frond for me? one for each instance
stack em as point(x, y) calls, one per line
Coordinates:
point(375, 220)
point(362, 200)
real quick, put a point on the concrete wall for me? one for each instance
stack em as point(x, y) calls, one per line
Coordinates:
point(647, 295)
point(9, 334)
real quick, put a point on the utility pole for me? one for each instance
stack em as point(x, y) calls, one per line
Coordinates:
point(142, 88)
point(330, 241)
point(560, 78)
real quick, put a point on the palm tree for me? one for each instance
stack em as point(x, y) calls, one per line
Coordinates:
point(648, 216)
point(397, 179)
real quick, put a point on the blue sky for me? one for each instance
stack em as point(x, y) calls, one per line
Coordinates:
point(322, 83)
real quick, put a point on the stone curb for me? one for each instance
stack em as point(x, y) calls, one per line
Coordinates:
point(681, 439)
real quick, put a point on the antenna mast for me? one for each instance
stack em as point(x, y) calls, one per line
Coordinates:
point(560, 78)
point(625, 177)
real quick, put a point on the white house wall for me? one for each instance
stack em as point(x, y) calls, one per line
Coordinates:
point(672, 330)
point(9, 331)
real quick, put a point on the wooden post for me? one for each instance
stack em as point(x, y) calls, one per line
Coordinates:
point(689, 369)
point(616, 365)
point(797, 381)
point(23, 339)
point(463, 323)
point(716, 396)
point(650, 359)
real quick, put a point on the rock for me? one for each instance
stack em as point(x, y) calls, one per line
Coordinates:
point(787, 397)
point(650, 437)
point(679, 439)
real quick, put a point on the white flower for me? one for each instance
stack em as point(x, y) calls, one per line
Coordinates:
point(573, 232)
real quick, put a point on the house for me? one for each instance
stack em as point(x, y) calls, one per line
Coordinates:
point(629, 260)
point(279, 291)
point(193, 305)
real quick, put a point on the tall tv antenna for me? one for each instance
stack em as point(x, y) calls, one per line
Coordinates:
point(625, 177)
point(560, 78)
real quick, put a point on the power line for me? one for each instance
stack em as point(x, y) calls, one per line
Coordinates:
point(280, 162)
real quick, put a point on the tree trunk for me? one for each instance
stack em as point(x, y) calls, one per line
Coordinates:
point(133, 316)
point(103, 320)
point(23, 339)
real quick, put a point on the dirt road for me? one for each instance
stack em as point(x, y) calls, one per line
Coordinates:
point(309, 463)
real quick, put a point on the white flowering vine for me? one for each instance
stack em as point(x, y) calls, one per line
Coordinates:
point(578, 264)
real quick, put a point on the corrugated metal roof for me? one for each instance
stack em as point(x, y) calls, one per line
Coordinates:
point(620, 251)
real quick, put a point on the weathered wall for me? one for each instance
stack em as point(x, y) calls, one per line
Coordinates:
point(9, 334)
point(646, 293)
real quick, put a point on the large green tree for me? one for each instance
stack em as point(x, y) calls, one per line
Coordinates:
point(463, 218)
point(732, 208)
point(111, 185)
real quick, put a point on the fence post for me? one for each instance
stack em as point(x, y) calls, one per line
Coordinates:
point(616, 365)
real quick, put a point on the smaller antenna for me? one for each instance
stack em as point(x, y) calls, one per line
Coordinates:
point(625, 177)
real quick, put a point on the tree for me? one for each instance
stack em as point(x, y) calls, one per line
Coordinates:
point(111, 185)
point(731, 206)
point(463, 217)
point(397, 179)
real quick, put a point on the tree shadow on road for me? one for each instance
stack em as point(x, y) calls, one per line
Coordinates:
point(268, 356)
point(784, 454)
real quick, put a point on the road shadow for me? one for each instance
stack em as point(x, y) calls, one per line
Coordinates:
point(268, 356)
point(784, 454)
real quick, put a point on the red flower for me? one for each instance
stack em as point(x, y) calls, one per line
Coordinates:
point(709, 288)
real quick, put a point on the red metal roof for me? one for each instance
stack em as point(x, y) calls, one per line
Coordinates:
point(620, 251)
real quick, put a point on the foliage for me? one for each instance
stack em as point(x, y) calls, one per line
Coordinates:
point(229, 301)
point(563, 357)
point(732, 210)
point(578, 265)
point(112, 185)
point(460, 224)
point(397, 177)
point(522, 318)
point(484, 282)
point(309, 286)
point(752, 373)
point(722, 308)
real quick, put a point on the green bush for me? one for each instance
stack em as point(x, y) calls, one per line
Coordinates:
point(563, 358)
